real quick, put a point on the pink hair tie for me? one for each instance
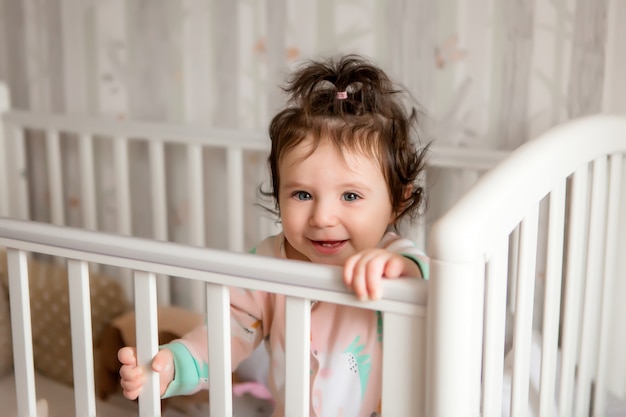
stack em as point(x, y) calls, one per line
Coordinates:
point(342, 95)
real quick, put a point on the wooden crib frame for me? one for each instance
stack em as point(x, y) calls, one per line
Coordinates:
point(442, 338)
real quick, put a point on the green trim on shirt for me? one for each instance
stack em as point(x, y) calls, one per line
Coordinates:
point(188, 372)
point(420, 264)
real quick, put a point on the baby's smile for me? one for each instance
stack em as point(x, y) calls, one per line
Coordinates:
point(329, 247)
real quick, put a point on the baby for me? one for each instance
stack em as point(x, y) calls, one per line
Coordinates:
point(344, 170)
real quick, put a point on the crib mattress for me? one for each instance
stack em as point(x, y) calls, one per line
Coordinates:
point(60, 399)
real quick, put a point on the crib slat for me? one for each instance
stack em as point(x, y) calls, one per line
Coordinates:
point(82, 352)
point(554, 270)
point(513, 268)
point(55, 177)
point(398, 345)
point(524, 314)
point(158, 186)
point(220, 370)
point(195, 194)
point(87, 182)
point(610, 272)
point(297, 356)
point(573, 278)
point(122, 186)
point(159, 210)
point(22, 333)
point(21, 182)
point(146, 328)
point(495, 314)
point(593, 277)
point(234, 166)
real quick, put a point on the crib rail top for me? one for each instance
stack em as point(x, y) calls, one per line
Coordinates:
point(440, 155)
point(316, 282)
point(173, 133)
point(503, 196)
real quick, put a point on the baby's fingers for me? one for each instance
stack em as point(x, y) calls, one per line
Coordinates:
point(394, 267)
point(132, 377)
point(132, 381)
point(362, 273)
point(348, 270)
point(132, 389)
point(127, 356)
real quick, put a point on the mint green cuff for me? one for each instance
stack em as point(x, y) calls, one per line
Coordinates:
point(423, 266)
point(187, 371)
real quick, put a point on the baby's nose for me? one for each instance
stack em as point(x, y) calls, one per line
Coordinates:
point(323, 215)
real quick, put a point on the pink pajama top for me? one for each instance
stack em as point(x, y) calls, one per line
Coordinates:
point(346, 348)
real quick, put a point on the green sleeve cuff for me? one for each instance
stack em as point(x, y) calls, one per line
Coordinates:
point(188, 372)
point(423, 266)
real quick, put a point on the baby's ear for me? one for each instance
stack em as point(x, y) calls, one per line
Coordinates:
point(406, 200)
point(408, 191)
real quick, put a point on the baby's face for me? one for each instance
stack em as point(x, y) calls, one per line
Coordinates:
point(331, 207)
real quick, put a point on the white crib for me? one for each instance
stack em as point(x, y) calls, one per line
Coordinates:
point(443, 339)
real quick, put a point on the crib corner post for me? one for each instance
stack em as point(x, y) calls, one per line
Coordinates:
point(455, 334)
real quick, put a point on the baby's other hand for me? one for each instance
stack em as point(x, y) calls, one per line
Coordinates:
point(364, 271)
point(133, 377)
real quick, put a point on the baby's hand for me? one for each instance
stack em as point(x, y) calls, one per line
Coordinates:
point(364, 271)
point(133, 376)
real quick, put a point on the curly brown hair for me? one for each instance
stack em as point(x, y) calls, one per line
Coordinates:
point(367, 116)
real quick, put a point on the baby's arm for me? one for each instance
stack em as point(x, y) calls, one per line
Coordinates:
point(133, 377)
point(182, 364)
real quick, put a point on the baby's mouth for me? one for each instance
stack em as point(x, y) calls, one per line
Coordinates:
point(328, 243)
point(329, 247)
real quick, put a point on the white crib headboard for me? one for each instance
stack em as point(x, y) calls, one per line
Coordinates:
point(579, 166)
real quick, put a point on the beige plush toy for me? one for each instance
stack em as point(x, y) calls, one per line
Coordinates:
point(50, 314)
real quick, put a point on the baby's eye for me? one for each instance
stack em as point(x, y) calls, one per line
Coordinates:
point(350, 196)
point(301, 195)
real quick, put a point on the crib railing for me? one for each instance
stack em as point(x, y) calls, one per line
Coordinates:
point(403, 307)
point(19, 129)
point(578, 169)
